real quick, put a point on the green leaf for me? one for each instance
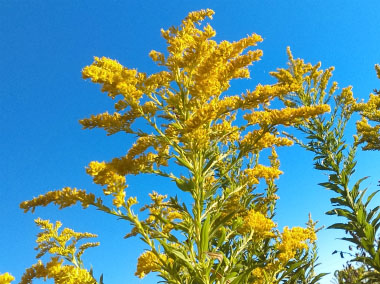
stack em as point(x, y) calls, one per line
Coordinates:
point(205, 235)
point(359, 201)
point(183, 162)
point(220, 222)
point(240, 279)
point(376, 220)
point(101, 279)
point(361, 216)
point(351, 240)
point(342, 212)
point(372, 212)
point(370, 197)
point(184, 184)
point(339, 200)
point(318, 277)
point(332, 186)
point(369, 232)
point(222, 237)
point(177, 255)
point(321, 167)
point(340, 226)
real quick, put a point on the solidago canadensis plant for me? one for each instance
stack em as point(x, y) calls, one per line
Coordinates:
point(227, 233)
point(326, 138)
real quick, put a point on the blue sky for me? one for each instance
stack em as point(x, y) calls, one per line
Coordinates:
point(45, 44)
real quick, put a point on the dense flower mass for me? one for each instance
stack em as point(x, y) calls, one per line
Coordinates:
point(62, 274)
point(370, 111)
point(259, 224)
point(293, 240)
point(146, 263)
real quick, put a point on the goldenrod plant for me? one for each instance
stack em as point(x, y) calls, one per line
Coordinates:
point(227, 233)
point(326, 138)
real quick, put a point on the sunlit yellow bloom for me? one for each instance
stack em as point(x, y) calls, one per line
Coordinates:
point(141, 145)
point(260, 171)
point(370, 111)
point(131, 201)
point(115, 78)
point(56, 243)
point(293, 240)
point(6, 278)
point(112, 123)
point(258, 140)
point(286, 116)
point(347, 98)
point(368, 134)
point(64, 198)
point(146, 263)
point(264, 94)
point(149, 108)
point(62, 274)
point(105, 174)
point(258, 223)
point(197, 139)
point(266, 274)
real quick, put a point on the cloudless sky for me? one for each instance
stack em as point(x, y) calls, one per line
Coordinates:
point(45, 44)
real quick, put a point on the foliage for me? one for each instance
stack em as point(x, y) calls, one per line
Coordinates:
point(226, 234)
point(350, 275)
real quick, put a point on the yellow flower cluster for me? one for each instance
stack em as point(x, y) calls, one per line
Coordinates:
point(62, 274)
point(300, 71)
point(141, 145)
point(346, 97)
point(370, 111)
point(58, 243)
point(258, 223)
point(225, 132)
point(159, 207)
point(115, 78)
point(292, 241)
point(64, 198)
point(104, 175)
point(260, 171)
point(257, 140)
point(6, 278)
point(287, 116)
point(264, 94)
point(215, 109)
point(368, 134)
point(148, 262)
point(207, 67)
point(267, 274)
point(112, 123)
point(198, 139)
point(63, 245)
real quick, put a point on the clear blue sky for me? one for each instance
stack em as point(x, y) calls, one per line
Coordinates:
point(45, 44)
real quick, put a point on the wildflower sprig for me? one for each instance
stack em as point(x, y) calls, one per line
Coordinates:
point(61, 246)
point(326, 139)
